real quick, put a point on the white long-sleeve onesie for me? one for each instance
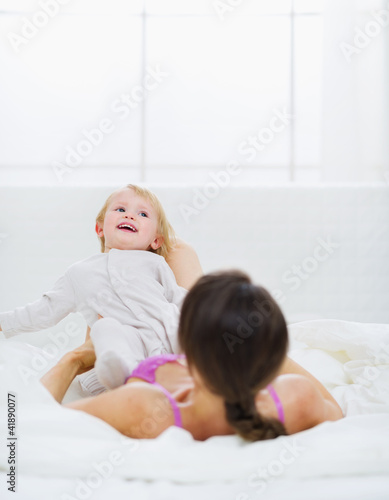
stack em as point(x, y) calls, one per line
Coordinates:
point(137, 288)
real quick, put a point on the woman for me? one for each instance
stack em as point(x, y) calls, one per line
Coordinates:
point(235, 340)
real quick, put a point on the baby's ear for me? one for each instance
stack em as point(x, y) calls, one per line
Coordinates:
point(99, 230)
point(157, 243)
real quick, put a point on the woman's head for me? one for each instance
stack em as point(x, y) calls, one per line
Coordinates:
point(235, 337)
point(133, 218)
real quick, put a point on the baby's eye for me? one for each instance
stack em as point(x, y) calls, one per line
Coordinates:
point(120, 210)
point(143, 214)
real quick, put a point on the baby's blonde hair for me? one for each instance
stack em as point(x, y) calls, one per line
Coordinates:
point(164, 227)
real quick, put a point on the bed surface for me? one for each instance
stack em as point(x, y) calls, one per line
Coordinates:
point(61, 451)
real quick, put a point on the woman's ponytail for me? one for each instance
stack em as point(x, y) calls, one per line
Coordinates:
point(250, 425)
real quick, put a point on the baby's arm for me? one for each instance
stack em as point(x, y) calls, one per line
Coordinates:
point(43, 313)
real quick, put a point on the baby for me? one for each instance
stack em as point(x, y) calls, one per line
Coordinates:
point(129, 284)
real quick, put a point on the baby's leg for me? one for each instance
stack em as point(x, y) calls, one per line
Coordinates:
point(119, 349)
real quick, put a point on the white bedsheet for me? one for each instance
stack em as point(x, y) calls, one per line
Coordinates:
point(89, 459)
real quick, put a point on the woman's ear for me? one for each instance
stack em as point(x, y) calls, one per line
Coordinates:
point(99, 230)
point(157, 243)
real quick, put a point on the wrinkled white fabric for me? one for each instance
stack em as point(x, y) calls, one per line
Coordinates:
point(64, 443)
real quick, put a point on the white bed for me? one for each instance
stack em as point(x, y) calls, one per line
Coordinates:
point(44, 230)
point(67, 454)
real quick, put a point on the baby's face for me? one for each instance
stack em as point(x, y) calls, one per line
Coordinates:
point(130, 223)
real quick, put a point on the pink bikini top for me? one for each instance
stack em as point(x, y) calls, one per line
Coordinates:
point(277, 401)
point(146, 371)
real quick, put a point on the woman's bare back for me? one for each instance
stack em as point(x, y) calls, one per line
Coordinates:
point(303, 406)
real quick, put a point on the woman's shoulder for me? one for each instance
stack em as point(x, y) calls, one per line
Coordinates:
point(304, 406)
point(296, 385)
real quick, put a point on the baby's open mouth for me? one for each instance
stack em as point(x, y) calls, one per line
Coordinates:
point(127, 227)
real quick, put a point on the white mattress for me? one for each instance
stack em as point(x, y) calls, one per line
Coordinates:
point(61, 452)
point(355, 488)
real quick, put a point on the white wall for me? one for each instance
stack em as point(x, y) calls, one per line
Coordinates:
point(266, 231)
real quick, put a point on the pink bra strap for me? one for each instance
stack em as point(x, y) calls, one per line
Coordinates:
point(173, 403)
point(277, 401)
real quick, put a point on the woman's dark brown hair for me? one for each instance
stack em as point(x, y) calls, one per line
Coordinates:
point(235, 336)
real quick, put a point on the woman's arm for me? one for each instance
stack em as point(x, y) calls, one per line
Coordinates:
point(58, 379)
point(185, 264)
point(138, 410)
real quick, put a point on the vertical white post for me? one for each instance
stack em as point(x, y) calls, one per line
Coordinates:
point(341, 141)
point(143, 103)
point(292, 95)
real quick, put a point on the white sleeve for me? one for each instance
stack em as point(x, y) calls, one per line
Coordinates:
point(43, 313)
point(174, 294)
